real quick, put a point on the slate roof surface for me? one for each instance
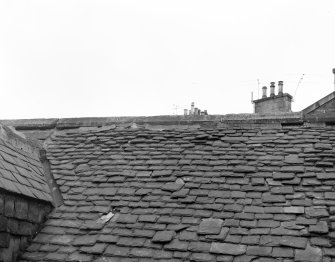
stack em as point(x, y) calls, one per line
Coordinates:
point(223, 194)
point(22, 172)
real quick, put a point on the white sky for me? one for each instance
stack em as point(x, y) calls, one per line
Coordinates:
point(67, 58)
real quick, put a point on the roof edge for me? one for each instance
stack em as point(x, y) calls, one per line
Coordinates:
point(19, 140)
point(319, 103)
point(168, 120)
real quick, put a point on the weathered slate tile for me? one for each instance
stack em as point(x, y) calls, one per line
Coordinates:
point(321, 227)
point(295, 242)
point(210, 226)
point(312, 212)
point(282, 252)
point(310, 254)
point(163, 236)
point(294, 210)
point(228, 249)
point(258, 251)
point(269, 198)
point(177, 245)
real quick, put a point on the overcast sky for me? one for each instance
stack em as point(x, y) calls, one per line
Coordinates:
point(126, 58)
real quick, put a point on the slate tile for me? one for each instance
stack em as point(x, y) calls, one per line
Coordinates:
point(113, 250)
point(319, 241)
point(248, 224)
point(231, 222)
point(269, 198)
point(282, 252)
point(177, 245)
point(143, 233)
point(305, 221)
point(183, 212)
point(295, 242)
point(253, 209)
point(330, 195)
point(162, 254)
point(250, 240)
point(294, 169)
point(238, 231)
point(181, 255)
point(62, 239)
point(244, 169)
point(163, 236)
point(321, 227)
point(199, 246)
point(221, 236)
point(281, 231)
point(312, 212)
point(294, 210)
point(96, 249)
point(67, 249)
point(127, 218)
point(280, 176)
point(85, 240)
point(325, 176)
point(258, 251)
point(236, 239)
point(147, 218)
point(202, 257)
point(56, 257)
point(210, 226)
point(329, 252)
point(107, 238)
point(169, 220)
point(233, 208)
point(228, 249)
point(188, 236)
point(310, 254)
point(268, 223)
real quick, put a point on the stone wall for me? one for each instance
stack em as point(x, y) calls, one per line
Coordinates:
point(20, 220)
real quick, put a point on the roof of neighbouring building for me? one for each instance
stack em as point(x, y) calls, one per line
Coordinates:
point(21, 170)
point(188, 191)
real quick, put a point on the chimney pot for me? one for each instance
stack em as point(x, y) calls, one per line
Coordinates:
point(264, 91)
point(280, 88)
point(272, 89)
point(185, 112)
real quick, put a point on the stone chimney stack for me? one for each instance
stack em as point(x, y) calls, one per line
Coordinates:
point(264, 92)
point(192, 108)
point(280, 88)
point(273, 103)
point(272, 89)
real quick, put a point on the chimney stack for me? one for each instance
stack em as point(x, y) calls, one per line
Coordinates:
point(280, 88)
point(272, 89)
point(334, 77)
point(192, 108)
point(185, 112)
point(264, 92)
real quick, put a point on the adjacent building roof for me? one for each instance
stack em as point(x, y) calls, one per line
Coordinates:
point(321, 111)
point(21, 170)
point(199, 193)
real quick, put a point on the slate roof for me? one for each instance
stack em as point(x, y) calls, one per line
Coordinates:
point(21, 170)
point(210, 194)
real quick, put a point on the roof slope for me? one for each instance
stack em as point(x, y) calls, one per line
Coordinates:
point(21, 170)
point(190, 195)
